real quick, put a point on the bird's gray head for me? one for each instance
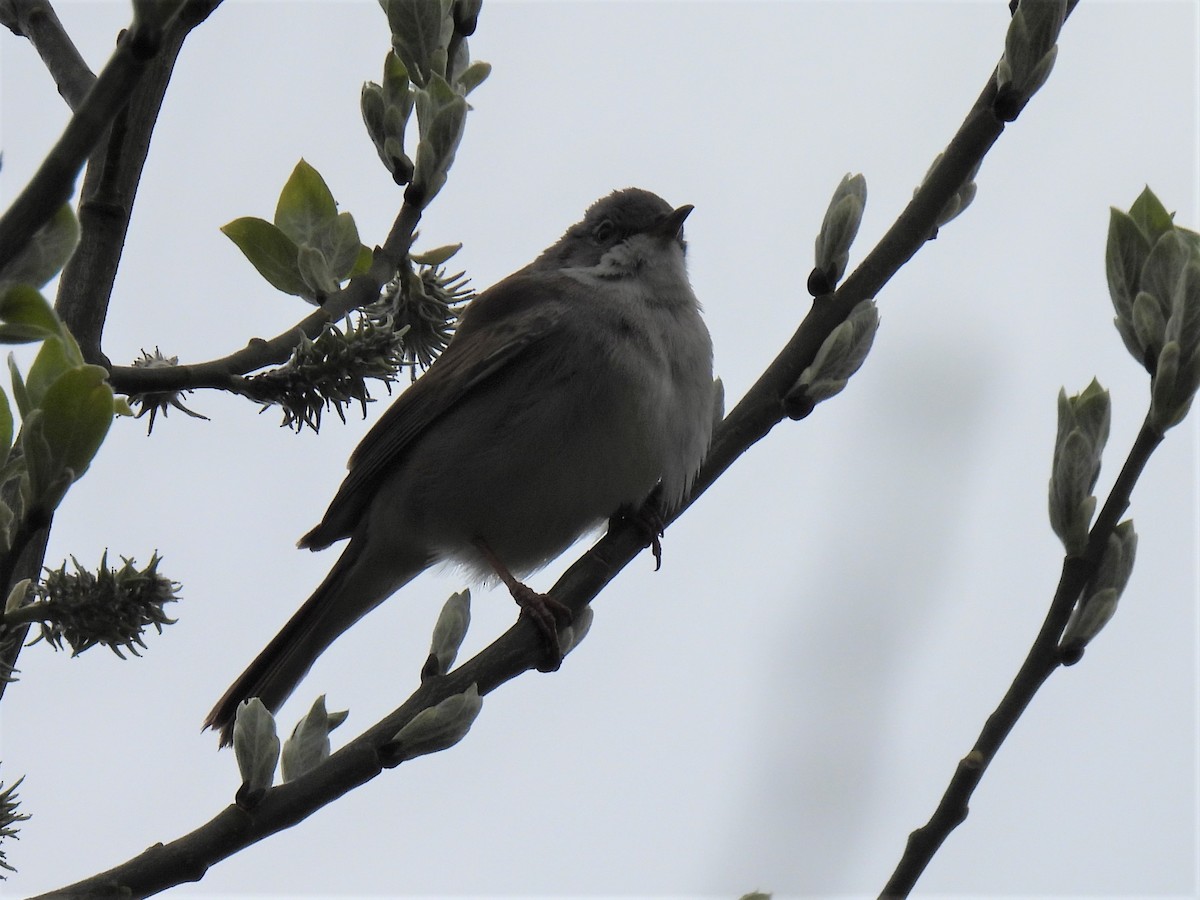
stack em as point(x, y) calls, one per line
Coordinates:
point(619, 230)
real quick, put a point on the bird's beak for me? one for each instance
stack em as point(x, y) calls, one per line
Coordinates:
point(670, 226)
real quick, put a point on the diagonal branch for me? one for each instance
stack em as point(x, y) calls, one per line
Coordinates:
point(52, 184)
point(37, 21)
point(520, 648)
point(110, 187)
point(1043, 659)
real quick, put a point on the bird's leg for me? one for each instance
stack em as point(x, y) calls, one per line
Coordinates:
point(545, 612)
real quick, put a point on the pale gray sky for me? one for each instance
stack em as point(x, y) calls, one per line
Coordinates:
point(783, 702)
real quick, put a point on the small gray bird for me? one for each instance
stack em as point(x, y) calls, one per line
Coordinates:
point(569, 391)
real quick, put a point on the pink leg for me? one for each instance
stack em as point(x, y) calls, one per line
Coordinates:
point(545, 612)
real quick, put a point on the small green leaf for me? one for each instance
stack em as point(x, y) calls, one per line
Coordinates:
point(448, 633)
point(270, 251)
point(1164, 266)
point(343, 246)
point(372, 105)
point(474, 75)
point(314, 268)
point(436, 256)
point(48, 366)
point(27, 316)
point(256, 746)
point(77, 412)
point(419, 28)
point(19, 393)
point(396, 85)
point(306, 207)
point(441, 115)
point(361, 265)
point(308, 746)
point(439, 727)
point(46, 253)
point(48, 483)
point(1150, 215)
point(1124, 259)
point(6, 428)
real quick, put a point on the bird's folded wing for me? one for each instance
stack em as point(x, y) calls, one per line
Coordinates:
point(500, 326)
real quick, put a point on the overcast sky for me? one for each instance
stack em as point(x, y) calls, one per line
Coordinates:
point(783, 702)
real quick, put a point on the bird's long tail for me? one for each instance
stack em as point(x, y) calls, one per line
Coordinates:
point(353, 587)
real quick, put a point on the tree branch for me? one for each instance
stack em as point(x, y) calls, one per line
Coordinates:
point(521, 647)
point(110, 187)
point(37, 21)
point(86, 283)
point(1043, 659)
point(54, 180)
point(223, 373)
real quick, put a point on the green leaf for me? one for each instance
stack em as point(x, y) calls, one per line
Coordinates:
point(19, 393)
point(271, 252)
point(436, 256)
point(361, 265)
point(439, 727)
point(1150, 215)
point(46, 253)
point(1163, 267)
point(306, 207)
point(51, 363)
point(342, 246)
point(419, 28)
point(256, 746)
point(449, 632)
point(1124, 258)
point(77, 412)
point(1184, 323)
point(308, 746)
point(27, 316)
point(474, 75)
point(397, 89)
point(373, 107)
point(6, 428)
point(316, 273)
point(441, 114)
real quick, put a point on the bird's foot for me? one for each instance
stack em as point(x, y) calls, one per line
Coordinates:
point(648, 520)
point(546, 613)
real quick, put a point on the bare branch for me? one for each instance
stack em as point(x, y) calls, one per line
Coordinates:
point(37, 21)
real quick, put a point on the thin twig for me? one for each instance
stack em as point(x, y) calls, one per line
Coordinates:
point(52, 184)
point(222, 373)
point(109, 189)
point(37, 21)
point(1040, 663)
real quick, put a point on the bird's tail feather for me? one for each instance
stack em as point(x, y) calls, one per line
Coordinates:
point(351, 590)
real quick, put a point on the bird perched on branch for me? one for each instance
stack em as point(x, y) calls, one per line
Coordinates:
point(570, 390)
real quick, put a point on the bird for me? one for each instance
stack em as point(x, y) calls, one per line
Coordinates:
point(570, 391)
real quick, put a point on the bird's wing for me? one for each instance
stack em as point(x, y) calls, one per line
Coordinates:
point(500, 325)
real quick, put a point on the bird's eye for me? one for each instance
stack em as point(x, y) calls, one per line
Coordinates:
point(604, 232)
